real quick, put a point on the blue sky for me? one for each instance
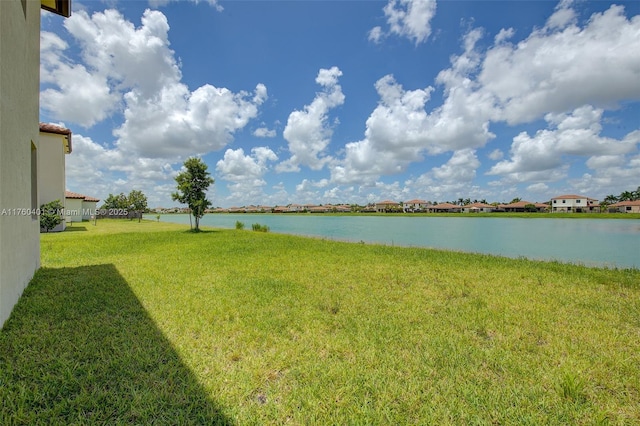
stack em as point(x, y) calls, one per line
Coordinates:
point(348, 101)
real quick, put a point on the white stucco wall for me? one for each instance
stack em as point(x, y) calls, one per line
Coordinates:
point(19, 91)
point(51, 172)
point(563, 204)
point(89, 209)
point(73, 210)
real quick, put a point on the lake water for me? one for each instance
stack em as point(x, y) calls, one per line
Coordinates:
point(592, 242)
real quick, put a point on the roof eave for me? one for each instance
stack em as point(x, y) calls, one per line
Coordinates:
point(59, 7)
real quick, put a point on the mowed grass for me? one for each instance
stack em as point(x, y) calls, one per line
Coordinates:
point(148, 323)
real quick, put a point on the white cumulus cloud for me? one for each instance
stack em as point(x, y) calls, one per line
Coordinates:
point(564, 66)
point(407, 18)
point(245, 172)
point(98, 171)
point(136, 69)
point(160, 3)
point(575, 134)
point(75, 93)
point(264, 132)
point(308, 131)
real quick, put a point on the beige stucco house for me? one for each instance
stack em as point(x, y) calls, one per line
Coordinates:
point(387, 206)
point(445, 208)
point(521, 206)
point(574, 204)
point(55, 143)
point(19, 144)
point(478, 208)
point(626, 207)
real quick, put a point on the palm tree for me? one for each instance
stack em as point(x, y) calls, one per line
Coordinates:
point(611, 199)
point(626, 196)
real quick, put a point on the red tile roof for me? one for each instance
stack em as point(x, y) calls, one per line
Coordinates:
point(53, 128)
point(480, 206)
point(571, 197)
point(522, 204)
point(76, 196)
point(69, 194)
point(626, 203)
point(443, 206)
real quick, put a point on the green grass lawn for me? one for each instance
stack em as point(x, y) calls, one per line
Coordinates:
point(141, 323)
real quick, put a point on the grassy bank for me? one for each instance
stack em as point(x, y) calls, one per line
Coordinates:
point(145, 322)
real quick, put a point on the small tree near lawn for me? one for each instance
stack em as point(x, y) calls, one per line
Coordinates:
point(50, 215)
point(193, 183)
point(137, 202)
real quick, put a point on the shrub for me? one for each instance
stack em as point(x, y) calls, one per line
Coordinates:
point(239, 225)
point(260, 228)
point(50, 215)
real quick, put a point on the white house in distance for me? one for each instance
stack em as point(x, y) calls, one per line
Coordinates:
point(415, 206)
point(574, 203)
point(79, 207)
point(19, 144)
point(55, 143)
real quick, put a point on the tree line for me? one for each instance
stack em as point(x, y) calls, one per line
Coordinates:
point(192, 185)
point(134, 204)
point(624, 196)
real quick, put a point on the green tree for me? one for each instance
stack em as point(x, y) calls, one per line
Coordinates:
point(193, 183)
point(626, 196)
point(611, 199)
point(515, 200)
point(137, 202)
point(50, 215)
point(119, 201)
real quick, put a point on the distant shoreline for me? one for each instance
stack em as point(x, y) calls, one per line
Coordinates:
point(488, 215)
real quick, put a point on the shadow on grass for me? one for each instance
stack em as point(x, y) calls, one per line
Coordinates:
point(201, 231)
point(79, 348)
point(75, 228)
